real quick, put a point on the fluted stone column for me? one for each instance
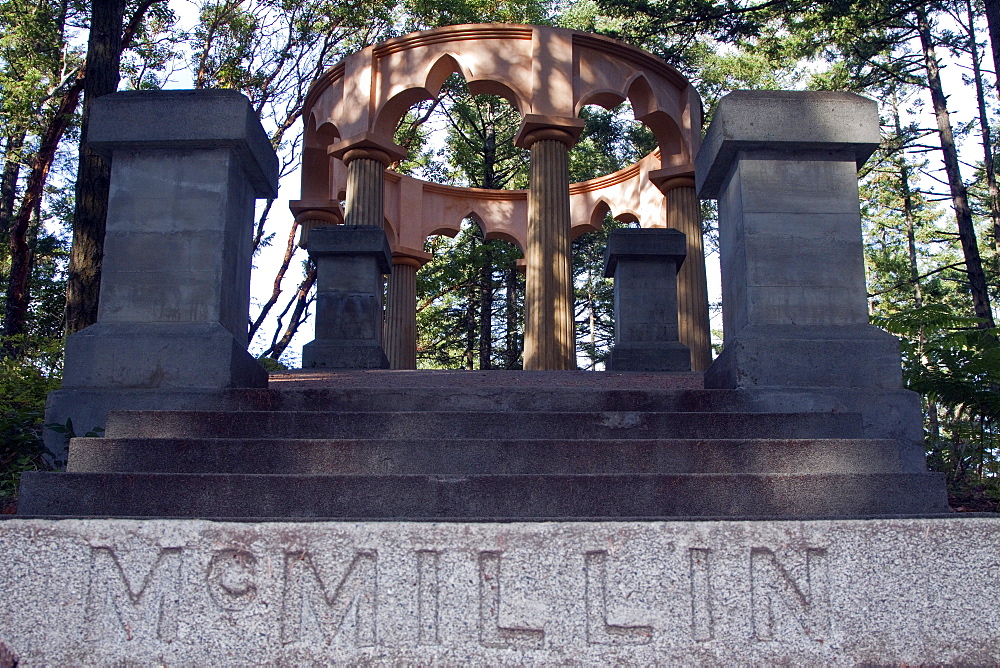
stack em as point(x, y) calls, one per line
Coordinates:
point(365, 187)
point(549, 342)
point(350, 261)
point(684, 214)
point(399, 338)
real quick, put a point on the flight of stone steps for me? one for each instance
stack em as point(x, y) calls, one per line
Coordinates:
point(497, 446)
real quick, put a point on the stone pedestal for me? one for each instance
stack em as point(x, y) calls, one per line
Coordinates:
point(186, 167)
point(350, 262)
point(783, 166)
point(644, 264)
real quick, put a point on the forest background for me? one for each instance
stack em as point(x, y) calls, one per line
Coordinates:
point(930, 202)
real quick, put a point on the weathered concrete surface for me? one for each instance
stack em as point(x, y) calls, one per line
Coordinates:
point(178, 119)
point(778, 119)
point(119, 592)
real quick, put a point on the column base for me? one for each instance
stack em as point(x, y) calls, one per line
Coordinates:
point(669, 356)
point(320, 354)
point(159, 355)
point(858, 356)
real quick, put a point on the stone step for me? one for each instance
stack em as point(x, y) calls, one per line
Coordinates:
point(483, 456)
point(481, 424)
point(479, 497)
point(490, 398)
point(461, 380)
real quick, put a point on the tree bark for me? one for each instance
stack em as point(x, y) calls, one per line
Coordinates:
point(104, 48)
point(908, 211)
point(8, 180)
point(469, 354)
point(512, 357)
point(993, 193)
point(993, 21)
point(959, 195)
point(301, 301)
point(486, 308)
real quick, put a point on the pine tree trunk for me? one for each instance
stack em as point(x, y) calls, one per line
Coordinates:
point(993, 21)
point(8, 180)
point(959, 195)
point(993, 193)
point(486, 308)
point(908, 212)
point(513, 353)
point(104, 49)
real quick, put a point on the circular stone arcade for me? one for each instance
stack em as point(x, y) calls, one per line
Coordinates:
point(548, 75)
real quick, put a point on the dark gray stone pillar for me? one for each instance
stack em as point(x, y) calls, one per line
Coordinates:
point(783, 166)
point(350, 262)
point(186, 167)
point(644, 264)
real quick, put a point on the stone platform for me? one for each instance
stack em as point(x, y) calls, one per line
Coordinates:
point(498, 446)
point(190, 592)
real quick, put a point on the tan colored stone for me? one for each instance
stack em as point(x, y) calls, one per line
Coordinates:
point(399, 336)
point(548, 302)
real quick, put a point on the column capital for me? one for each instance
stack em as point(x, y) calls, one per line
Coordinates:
point(310, 214)
point(786, 121)
point(668, 178)
point(410, 257)
point(369, 146)
point(535, 127)
point(320, 209)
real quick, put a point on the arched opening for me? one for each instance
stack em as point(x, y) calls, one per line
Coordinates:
point(470, 302)
point(611, 140)
point(462, 137)
point(316, 162)
point(594, 301)
point(470, 294)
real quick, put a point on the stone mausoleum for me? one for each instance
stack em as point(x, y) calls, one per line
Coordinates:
point(770, 506)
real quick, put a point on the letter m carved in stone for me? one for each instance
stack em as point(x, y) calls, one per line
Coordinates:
point(138, 603)
point(778, 599)
point(314, 611)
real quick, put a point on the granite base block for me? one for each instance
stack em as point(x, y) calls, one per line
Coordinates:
point(328, 354)
point(838, 592)
point(653, 356)
point(142, 356)
point(787, 357)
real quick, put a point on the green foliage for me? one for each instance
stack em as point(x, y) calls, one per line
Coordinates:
point(422, 14)
point(24, 384)
point(271, 365)
point(955, 366)
point(451, 290)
